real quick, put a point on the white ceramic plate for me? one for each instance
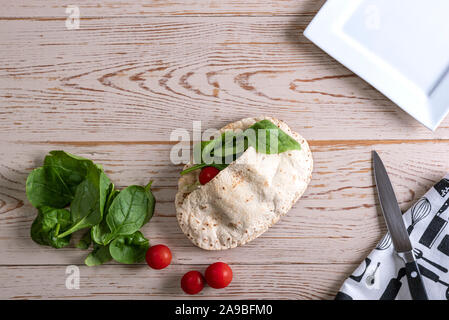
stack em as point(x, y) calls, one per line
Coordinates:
point(401, 47)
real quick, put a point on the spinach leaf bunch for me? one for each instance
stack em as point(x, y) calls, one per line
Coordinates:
point(264, 136)
point(73, 193)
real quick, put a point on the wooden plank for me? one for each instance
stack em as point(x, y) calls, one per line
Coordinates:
point(140, 282)
point(115, 89)
point(336, 221)
point(150, 76)
point(113, 8)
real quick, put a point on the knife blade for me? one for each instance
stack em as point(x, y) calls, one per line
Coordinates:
point(390, 208)
point(396, 227)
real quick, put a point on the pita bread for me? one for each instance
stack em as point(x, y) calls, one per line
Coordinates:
point(245, 199)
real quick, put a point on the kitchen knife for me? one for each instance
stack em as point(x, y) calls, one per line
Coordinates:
point(396, 227)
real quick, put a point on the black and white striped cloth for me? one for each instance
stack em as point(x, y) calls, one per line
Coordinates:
point(382, 274)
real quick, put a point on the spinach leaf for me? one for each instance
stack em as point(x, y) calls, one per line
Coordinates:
point(55, 182)
point(152, 202)
point(100, 233)
point(88, 204)
point(112, 217)
point(264, 136)
point(98, 256)
point(224, 149)
point(85, 241)
point(227, 142)
point(111, 194)
point(271, 133)
point(129, 248)
point(202, 165)
point(68, 168)
point(130, 210)
point(47, 225)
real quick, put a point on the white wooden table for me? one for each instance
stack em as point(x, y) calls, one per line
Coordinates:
point(114, 90)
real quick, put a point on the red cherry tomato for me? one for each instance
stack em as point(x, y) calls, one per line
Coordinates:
point(158, 256)
point(207, 174)
point(218, 275)
point(192, 282)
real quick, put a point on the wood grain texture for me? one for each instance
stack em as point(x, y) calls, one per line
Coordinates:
point(336, 221)
point(139, 282)
point(150, 76)
point(115, 89)
point(119, 8)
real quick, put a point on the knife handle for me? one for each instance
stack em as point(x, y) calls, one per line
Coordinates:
point(415, 283)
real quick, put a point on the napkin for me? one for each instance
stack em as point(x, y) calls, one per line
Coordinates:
point(381, 276)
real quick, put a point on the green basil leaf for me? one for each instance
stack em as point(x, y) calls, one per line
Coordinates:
point(54, 183)
point(88, 204)
point(129, 248)
point(47, 225)
point(129, 211)
point(98, 256)
point(85, 241)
